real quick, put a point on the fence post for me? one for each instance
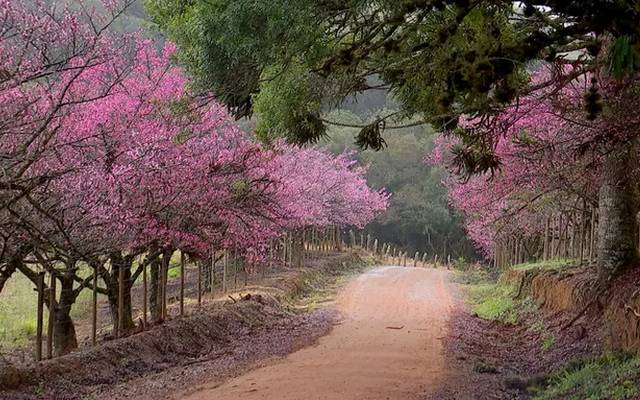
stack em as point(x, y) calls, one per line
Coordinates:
point(212, 278)
point(145, 291)
point(161, 277)
point(165, 271)
point(52, 315)
point(235, 269)
point(592, 236)
point(94, 307)
point(119, 330)
point(225, 263)
point(40, 288)
point(199, 263)
point(375, 246)
point(583, 233)
point(415, 259)
point(182, 261)
point(291, 250)
point(284, 251)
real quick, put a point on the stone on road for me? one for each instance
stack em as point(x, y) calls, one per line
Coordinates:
point(387, 346)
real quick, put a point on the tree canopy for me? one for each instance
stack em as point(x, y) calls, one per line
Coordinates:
point(440, 58)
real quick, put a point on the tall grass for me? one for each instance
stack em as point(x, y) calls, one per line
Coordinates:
point(18, 306)
point(18, 310)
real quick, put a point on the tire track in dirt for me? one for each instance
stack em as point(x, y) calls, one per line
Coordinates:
point(387, 345)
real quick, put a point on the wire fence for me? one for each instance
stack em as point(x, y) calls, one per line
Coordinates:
point(46, 313)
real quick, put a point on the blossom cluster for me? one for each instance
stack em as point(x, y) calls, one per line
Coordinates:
point(105, 148)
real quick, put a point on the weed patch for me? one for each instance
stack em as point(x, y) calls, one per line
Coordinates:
point(493, 299)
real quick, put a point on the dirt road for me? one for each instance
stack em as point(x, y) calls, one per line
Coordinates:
point(388, 346)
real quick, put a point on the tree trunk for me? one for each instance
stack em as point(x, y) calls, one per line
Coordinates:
point(297, 250)
point(64, 338)
point(617, 206)
point(118, 262)
point(155, 303)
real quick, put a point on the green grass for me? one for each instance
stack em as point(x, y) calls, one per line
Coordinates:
point(493, 301)
point(555, 264)
point(491, 298)
point(18, 310)
point(610, 377)
point(173, 272)
point(547, 342)
point(18, 305)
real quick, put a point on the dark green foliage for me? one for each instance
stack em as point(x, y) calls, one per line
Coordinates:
point(419, 215)
point(371, 136)
point(624, 56)
point(473, 155)
point(309, 129)
point(439, 58)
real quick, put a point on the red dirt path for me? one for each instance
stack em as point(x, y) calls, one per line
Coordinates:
point(388, 346)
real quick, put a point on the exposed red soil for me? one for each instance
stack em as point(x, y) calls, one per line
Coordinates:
point(622, 311)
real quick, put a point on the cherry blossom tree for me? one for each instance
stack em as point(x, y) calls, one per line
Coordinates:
point(110, 162)
point(553, 159)
point(47, 56)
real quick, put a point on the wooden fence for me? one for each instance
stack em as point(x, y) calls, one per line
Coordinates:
point(180, 278)
point(568, 234)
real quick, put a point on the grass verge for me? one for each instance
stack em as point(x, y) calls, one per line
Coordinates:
point(493, 299)
point(610, 377)
point(556, 264)
point(317, 285)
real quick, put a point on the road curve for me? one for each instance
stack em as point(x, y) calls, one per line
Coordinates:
point(387, 346)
